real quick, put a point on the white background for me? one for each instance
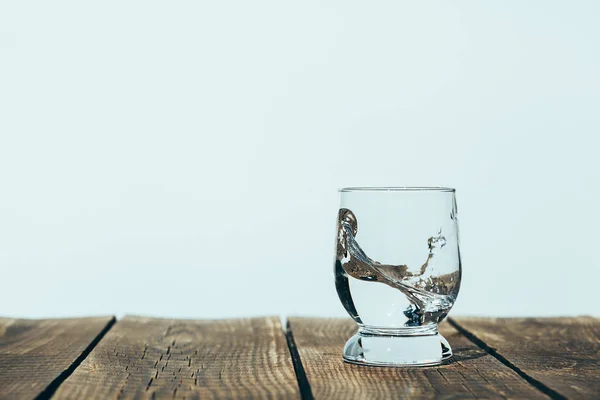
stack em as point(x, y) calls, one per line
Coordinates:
point(182, 158)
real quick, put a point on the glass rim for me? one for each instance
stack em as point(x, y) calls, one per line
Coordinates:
point(397, 189)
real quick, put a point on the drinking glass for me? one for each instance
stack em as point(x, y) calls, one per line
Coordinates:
point(397, 272)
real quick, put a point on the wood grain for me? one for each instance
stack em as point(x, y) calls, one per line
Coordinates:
point(561, 353)
point(35, 355)
point(162, 358)
point(474, 374)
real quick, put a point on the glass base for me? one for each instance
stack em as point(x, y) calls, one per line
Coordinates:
point(397, 350)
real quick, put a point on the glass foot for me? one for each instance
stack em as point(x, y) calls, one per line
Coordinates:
point(397, 351)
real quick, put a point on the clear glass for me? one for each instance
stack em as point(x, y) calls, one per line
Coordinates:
point(397, 272)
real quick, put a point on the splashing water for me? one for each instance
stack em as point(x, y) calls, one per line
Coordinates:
point(430, 297)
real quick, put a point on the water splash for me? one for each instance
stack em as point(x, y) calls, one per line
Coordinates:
point(430, 296)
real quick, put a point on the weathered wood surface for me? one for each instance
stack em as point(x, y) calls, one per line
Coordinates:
point(249, 358)
point(35, 355)
point(475, 374)
point(561, 353)
point(160, 358)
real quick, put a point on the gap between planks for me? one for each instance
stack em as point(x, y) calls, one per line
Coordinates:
point(303, 383)
point(49, 391)
point(494, 353)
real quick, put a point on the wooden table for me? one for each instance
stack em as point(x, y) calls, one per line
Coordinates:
point(136, 357)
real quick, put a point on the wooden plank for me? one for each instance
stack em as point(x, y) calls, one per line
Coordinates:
point(562, 354)
point(36, 355)
point(164, 358)
point(474, 374)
